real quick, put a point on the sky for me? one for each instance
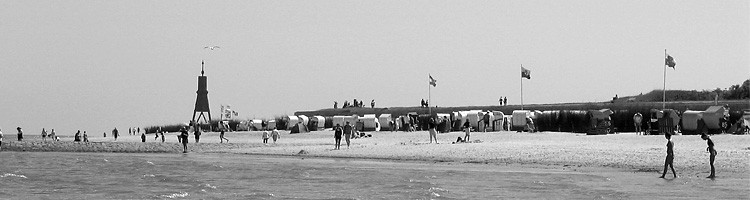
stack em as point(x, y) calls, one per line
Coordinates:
point(95, 65)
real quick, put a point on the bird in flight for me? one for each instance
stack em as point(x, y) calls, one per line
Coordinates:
point(211, 47)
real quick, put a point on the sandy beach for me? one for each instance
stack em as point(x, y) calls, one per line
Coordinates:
point(625, 151)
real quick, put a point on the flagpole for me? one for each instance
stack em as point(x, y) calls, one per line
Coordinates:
point(429, 94)
point(521, 87)
point(664, 89)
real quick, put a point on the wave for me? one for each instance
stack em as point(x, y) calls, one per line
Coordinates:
point(12, 175)
point(176, 195)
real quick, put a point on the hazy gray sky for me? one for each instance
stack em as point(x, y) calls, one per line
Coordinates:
point(95, 65)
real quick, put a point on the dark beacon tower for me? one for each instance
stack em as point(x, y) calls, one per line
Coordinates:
point(201, 101)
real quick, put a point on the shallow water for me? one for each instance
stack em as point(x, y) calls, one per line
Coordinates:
point(53, 175)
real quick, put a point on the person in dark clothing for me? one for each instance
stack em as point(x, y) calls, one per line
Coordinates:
point(337, 132)
point(347, 133)
point(162, 137)
point(713, 153)
point(143, 137)
point(77, 136)
point(197, 134)
point(670, 156)
point(184, 139)
point(20, 133)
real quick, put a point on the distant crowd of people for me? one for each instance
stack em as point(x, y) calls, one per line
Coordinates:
point(355, 103)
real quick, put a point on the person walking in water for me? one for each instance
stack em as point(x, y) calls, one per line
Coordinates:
point(184, 139)
point(670, 156)
point(713, 153)
point(221, 137)
point(275, 135)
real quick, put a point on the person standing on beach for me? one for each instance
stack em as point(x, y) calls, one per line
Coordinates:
point(467, 129)
point(143, 137)
point(431, 128)
point(337, 131)
point(505, 101)
point(44, 135)
point(1, 139)
point(713, 153)
point(486, 119)
point(183, 137)
point(115, 133)
point(197, 134)
point(20, 133)
point(670, 156)
point(265, 137)
point(347, 133)
point(85, 137)
point(162, 137)
point(275, 135)
point(637, 119)
point(221, 137)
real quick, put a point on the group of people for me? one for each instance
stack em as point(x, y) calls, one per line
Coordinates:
point(274, 134)
point(503, 101)
point(346, 131)
point(355, 103)
point(669, 160)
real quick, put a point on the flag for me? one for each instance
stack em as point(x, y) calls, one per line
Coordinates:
point(669, 61)
point(525, 73)
point(433, 82)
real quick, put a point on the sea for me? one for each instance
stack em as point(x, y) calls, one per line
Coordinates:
point(60, 175)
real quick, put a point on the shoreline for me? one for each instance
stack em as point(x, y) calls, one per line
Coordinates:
point(549, 150)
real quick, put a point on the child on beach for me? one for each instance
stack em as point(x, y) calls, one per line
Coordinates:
point(467, 128)
point(670, 156)
point(711, 151)
point(265, 137)
point(221, 137)
point(197, 134)
point(85, 137)
point(275, 135)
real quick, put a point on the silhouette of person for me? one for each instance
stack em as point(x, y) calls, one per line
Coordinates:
point(670, 156)
point(712, 152)
point(184, 139)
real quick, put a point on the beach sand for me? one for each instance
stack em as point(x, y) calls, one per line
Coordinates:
point(558, 150)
